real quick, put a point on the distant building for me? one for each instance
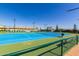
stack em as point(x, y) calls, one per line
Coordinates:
point(2, 28)
point(26, 29)
point(75, 28)
point(57, 29)
point(49, 28)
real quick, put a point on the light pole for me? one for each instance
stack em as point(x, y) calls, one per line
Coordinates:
point(14, 24)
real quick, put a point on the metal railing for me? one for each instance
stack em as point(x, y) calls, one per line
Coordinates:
point(60, 45)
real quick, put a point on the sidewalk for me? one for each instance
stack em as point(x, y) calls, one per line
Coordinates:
point(74, 51)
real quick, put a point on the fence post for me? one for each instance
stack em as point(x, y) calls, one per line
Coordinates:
point(61, 47)
point(76, 39)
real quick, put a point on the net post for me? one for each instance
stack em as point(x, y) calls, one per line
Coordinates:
point(76, 39)
point(61, 47)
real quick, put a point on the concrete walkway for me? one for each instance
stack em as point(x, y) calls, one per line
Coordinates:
point(74, 51)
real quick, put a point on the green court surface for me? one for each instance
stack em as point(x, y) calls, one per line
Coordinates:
point(10, 48)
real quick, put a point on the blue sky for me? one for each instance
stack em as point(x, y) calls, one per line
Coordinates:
point(41, 13)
